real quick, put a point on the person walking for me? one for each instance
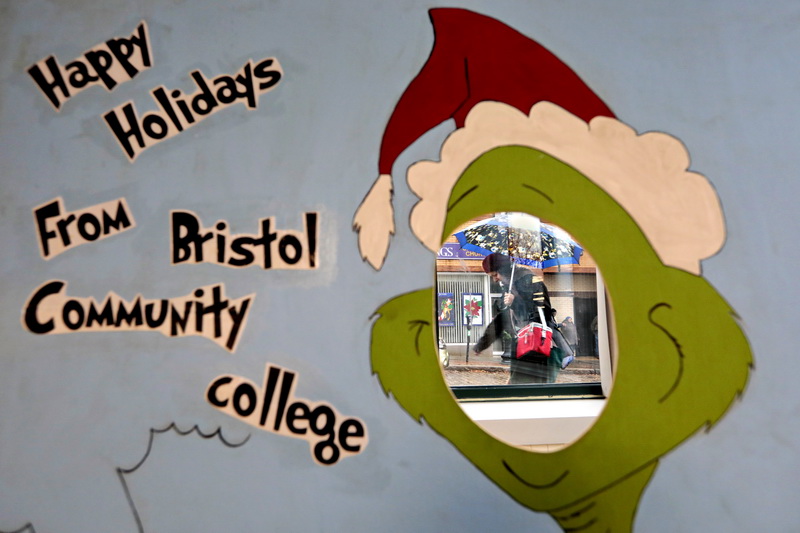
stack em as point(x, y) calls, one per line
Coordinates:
point(570, 333)
point(525, 293)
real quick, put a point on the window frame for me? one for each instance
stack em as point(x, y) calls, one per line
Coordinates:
point(540, 391)
point(548, 416)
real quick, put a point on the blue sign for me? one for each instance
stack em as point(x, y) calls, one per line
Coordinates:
point(453, 250)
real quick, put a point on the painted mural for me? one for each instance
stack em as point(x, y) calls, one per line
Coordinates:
point(217, 317)
point(532, 137)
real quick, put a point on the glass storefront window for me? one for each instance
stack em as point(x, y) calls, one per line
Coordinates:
point(533, 266)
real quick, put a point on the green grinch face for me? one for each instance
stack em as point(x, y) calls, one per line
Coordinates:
point(672, 377)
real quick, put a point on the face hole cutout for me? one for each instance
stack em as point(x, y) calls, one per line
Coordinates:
point(495, 276)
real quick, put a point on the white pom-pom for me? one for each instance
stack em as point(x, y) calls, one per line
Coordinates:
point(374, 222)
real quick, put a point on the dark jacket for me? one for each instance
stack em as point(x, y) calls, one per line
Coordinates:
point(529, 293)
point(570, 332)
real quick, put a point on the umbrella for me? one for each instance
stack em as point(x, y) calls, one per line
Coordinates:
point(522, 237)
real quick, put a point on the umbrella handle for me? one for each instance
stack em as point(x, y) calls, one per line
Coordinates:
point(510, 281)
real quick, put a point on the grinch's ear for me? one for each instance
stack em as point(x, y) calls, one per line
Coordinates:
point(374, 222)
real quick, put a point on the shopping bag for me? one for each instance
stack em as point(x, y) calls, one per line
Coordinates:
point(535, 338)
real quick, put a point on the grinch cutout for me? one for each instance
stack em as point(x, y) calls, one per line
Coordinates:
point(532, 137)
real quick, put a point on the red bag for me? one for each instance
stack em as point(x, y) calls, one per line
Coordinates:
point(534, 338)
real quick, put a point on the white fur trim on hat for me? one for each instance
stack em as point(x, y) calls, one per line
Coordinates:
point(678, 211)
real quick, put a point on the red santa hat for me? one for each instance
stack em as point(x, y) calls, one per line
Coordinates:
point(474, 59)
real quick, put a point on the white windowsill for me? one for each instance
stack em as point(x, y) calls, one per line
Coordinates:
point(539, 422)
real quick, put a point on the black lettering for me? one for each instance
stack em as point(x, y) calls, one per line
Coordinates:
point(244, 389)
point(283, 247)
point(311, 238)
point(62, 229)
point(142, 43)
point(211, 395)
point(162, 314)
point(245, 80)
point(319, 451)
point(132, 316)
point(350, 428)
point(49, 87)
point(327, 430)
point(226, 90)
point(183, 107)
point(161, 97)
point(120, 222)
point(221, 243)
point(31, 320)
point(265, 240)
point(123, 49)
point(50, 210)
point(286, 388)
point(178, 321)
point(123, 135)
point(269, 392)
point(155, 126)
point(104, 317)
point(216, 308)
point(70, 308)
point(80, 76)
point(220, 249)
point(271, 77)
point(203, 103)
point(292, 416)
point(320, 426)
point(238, 318)
point(329, 417)
point(238, 246)
point(101, 61)
point(88, 219)
point(198, 314)
point(182, 244)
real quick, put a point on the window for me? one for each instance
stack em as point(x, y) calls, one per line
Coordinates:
point(470, 314)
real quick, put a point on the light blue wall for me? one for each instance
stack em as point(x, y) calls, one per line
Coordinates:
point(720, 76)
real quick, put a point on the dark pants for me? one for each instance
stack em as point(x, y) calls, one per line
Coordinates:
point(535, 369)
point(531, 369)
point(541, 368)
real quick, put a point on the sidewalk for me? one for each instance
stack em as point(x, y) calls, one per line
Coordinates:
point(487, 369)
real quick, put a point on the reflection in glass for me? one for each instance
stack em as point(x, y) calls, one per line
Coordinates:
point(498, 273)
